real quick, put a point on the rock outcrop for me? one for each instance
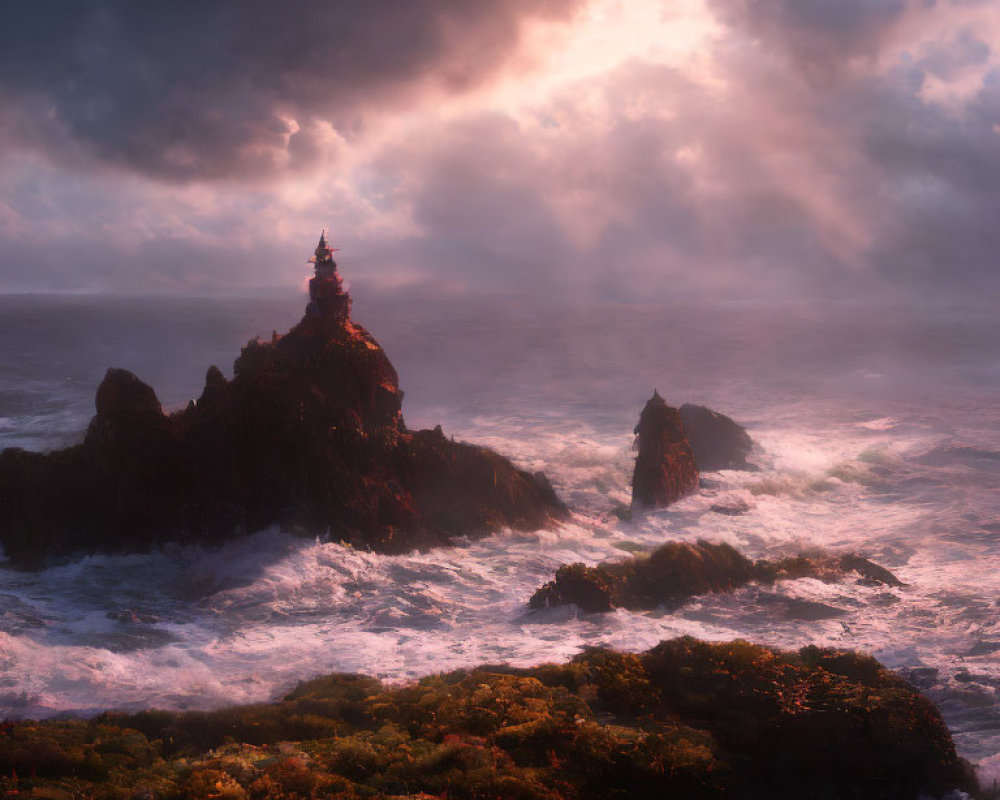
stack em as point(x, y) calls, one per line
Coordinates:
point(684, 719)
point(717, 441)
point(677, 571)
point(307, 435)
point(664, 468)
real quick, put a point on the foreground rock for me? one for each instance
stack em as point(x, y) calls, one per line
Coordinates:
point(717, 441)
point(675, 572)
point(685, 719)
point(664, 468)
point(307, 435)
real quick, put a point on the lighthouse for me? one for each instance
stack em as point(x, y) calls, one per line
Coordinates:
point(327, 297)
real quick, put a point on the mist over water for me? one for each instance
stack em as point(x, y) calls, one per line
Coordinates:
point(879, 428)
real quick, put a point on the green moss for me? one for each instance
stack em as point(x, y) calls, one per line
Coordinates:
point(685, 719)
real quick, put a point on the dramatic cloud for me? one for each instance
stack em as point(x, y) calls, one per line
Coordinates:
point(822, 35)
point(190, 89)
point(634, 150)
point(784, 168)
point(912, 89)
point(647, 184)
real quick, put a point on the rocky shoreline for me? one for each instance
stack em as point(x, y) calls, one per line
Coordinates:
point(309, 436)
point(686, 719)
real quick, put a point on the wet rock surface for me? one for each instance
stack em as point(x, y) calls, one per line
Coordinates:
point(677, 571)
point(718, 442)
point(731, 509)
point(665, 468)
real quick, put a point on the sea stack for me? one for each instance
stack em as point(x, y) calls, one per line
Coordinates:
point(664, 468)
point(308, 435)
point(718, 441)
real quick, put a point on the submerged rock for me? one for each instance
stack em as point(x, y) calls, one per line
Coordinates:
point(307, 435)
point(684, 719)
point(718, 442)
point(673, 573)
point(731, 509)
point(664, 468)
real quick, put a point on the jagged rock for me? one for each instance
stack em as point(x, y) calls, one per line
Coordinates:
point(677, 571)
point(307, 435)
point(664, 468)
point(123, 396)
point(718, 442)
point(731, 509)
point(830, 569)
point(685, 719)
point(588, 588)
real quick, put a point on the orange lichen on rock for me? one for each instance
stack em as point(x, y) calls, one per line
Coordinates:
point(684, 719)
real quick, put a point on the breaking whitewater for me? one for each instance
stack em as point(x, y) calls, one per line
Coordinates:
point(879, 430)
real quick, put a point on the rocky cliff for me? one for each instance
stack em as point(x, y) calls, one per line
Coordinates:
point(307, 435)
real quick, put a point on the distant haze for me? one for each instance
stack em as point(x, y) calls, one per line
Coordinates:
point(625, 149)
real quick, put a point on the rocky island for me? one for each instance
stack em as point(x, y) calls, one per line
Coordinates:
point(307, 435)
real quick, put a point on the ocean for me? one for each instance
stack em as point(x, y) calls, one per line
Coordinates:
point(879, 433)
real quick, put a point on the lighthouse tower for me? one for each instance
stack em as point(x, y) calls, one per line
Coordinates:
point(327, 297)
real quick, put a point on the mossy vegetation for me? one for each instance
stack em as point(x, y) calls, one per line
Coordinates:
point(685, 719)
point(677, 571)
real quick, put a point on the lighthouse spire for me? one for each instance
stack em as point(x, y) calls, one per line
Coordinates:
point(324, 253)
point(327, 298)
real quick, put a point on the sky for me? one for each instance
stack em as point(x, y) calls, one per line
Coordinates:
point(631, 150)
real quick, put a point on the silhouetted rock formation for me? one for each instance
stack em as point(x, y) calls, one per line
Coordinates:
point(685, 719)
point(308, 435)
point(718, 442)
point(665, 468)
point(676, 571)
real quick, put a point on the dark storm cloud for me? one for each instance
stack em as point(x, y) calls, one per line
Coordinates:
point(941, 175)
point(822, 35)
point(927, 146)
point(817, 147)
point(793, 181)
point(187, 89)
point(949, 57)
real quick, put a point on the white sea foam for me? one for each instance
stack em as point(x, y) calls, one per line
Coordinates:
point(907, 476)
